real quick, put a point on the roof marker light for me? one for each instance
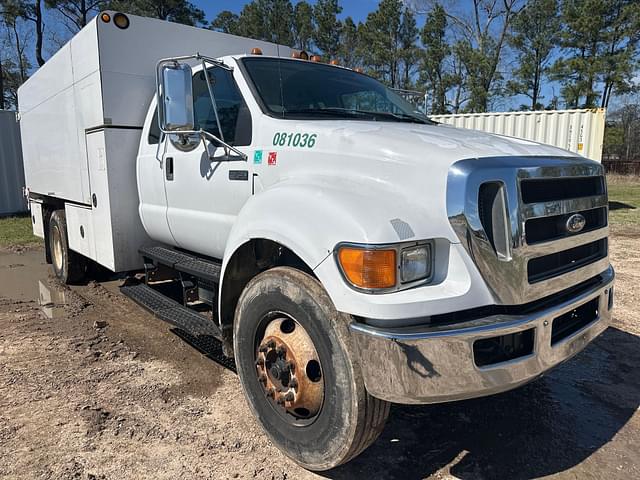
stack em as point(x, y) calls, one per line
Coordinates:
point(256, 51)
point(121, 20)
point(105, 17)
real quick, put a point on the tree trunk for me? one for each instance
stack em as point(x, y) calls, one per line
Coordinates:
point(83, 13)
point(23, 73)
point(39, 34)
point(1, 86)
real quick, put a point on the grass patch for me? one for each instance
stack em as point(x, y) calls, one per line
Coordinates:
point(16, 231)
point(624, 201)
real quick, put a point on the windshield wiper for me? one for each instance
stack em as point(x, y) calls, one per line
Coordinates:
point(331, 111)
point(401, 117)
point(337, 111)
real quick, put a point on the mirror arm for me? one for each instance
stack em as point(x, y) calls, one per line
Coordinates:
point(228, 147)
point(207, 79)
point(212, 138)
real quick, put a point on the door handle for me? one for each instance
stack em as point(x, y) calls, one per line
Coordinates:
point(169, 168)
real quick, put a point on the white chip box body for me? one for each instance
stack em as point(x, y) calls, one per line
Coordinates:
point(82, 115)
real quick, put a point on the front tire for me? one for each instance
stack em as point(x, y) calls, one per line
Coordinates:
point(300, 375)
point(68, 266)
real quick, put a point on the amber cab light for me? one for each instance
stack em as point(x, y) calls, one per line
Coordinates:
point(105, 17)
point(368, 268)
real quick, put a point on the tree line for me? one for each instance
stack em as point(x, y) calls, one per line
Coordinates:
point(467, 56)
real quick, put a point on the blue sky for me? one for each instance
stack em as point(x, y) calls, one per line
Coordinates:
point(357, 9)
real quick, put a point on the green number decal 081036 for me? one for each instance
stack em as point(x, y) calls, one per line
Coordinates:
point(303, 140)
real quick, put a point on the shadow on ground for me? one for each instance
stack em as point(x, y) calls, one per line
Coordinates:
point(540, 429)
point(613, 205)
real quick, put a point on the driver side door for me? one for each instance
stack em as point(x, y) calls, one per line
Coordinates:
point(205, 191)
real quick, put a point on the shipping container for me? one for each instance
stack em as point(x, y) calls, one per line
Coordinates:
point(12, 199)
point(580, 131)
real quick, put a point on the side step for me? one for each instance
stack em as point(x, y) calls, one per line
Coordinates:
point(171, 311)
point(183, 262)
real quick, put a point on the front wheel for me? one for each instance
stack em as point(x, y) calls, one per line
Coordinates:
point(295, 359)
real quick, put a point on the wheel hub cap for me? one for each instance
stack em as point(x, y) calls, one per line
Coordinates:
point(289, 369)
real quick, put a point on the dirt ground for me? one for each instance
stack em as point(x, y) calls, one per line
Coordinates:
point(93, 387)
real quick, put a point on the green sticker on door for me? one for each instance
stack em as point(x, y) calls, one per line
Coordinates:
point(302, 140)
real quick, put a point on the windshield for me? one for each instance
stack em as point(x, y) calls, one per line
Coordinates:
point(298, 89)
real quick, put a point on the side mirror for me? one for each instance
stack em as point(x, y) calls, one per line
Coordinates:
point(175, 97)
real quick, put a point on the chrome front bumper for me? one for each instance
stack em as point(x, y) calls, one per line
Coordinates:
point(432, 364)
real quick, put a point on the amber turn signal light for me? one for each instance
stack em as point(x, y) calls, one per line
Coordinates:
point(105, 17)
point(368, 268)
point(256, 51)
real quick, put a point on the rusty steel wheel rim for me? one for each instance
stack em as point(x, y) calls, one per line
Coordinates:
point(289, 369)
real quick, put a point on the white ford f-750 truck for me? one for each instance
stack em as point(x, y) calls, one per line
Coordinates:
point(347, 251)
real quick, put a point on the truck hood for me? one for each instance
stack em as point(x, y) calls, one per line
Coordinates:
point(431, 144)
point(372, 175)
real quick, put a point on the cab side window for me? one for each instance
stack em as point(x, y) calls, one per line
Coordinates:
point(233, 113)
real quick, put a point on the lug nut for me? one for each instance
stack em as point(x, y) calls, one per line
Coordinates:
point(271, 344)
point(281, 399)
point(263, 348)
point(260, 361)
point(289, 397)
point(281, 350)
point(293, 383)
point(291, 365)
point(272, 392)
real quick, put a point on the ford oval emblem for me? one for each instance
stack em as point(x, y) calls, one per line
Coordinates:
point(575, 223)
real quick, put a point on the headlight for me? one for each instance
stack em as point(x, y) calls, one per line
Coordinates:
point(385, 268)
point(415, 263)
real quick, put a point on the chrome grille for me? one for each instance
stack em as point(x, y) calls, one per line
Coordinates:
point(535, 190)
point(544, 229)
point(510, 215)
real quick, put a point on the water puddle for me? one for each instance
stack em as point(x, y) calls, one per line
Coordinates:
point(51, 300)
point(19, 272)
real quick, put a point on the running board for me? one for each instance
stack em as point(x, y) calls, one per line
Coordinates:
point(171, 311)
point(183, 262)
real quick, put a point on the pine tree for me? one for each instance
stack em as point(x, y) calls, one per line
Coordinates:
point(381, 41)
point(225, 22)
point(534, 35)
point(303, 26)
point(349, 52)
point(436, 50)
point(327, 27)
point(409, 51)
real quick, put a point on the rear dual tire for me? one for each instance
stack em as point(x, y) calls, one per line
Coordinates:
point(349, 419)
